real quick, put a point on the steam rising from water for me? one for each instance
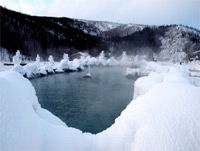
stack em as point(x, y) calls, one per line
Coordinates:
point(90, 105)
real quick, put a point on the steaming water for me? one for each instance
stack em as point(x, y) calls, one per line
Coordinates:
point(90, 105)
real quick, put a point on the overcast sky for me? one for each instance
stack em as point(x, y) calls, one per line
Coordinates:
point(152, 12)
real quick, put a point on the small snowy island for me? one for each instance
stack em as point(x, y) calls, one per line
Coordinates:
point(163, 115)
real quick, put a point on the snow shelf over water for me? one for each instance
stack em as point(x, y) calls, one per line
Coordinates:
point(165, 116)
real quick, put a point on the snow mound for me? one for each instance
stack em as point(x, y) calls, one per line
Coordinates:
point(167, 117)
point(23, 86)
point(31, 70)
point(19, 68)
point(144, 84)
point(19, 127)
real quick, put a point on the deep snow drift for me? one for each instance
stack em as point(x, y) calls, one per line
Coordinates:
point(164, 116)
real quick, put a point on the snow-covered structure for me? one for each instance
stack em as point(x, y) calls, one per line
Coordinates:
point(17, 58)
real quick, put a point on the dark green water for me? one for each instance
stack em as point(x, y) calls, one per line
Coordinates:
point(91, 105)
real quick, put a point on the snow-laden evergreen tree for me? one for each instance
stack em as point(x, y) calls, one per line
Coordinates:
point(38, 61)
point(112, 61)
point(102, 59)
point(174, 46)
point(64, 63)
point(51, 60)
point(17, 58)
point(102, 55)
point(66, 57)
point(124, 60)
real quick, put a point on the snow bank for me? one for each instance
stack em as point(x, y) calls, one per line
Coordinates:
point(20, 69)
point(24, 125)
point(167, 117)
point(143, 68)
point(144, 84)
point(19, 127)
point(164, 116)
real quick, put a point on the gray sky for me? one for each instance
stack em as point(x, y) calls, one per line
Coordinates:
point(151, 12)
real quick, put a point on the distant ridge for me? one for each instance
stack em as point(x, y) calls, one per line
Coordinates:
point(55, 36)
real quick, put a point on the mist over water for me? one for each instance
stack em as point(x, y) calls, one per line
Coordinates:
point(90, 105)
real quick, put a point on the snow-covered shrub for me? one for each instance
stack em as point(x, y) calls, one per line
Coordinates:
point(17, 58)
point(48, 68)
point(101, 59)
point(92, 61)
point(31, 70)
point(112, 61)
point(38, 61)
point(51, 60)
point(19, 69)
point(64, 64)
point(124, 60)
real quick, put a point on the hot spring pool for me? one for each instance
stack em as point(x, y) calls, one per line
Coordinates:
point(91, 105)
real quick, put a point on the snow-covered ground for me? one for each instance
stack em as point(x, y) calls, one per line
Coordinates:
point(164, 115)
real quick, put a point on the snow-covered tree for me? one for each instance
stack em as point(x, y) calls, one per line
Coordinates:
point(102, 55)
point(66, 57)
point(173, 46)
point(17, 58)
point(124, 60)
point(51, 60)
point(102, 59)
point(38, 60)
point(112, 61)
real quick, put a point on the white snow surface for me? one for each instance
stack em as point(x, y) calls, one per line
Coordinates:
point(144, 84)
point(164, 116)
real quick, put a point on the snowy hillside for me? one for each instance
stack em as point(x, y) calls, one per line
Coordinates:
point(124, 30)
point(46, 36)
point(103, 26)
